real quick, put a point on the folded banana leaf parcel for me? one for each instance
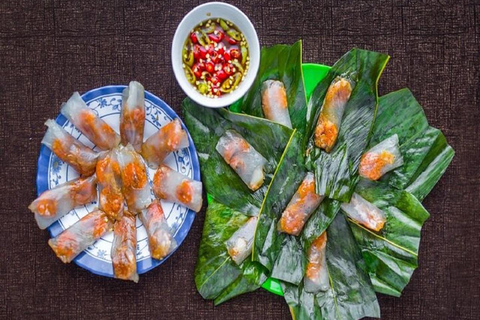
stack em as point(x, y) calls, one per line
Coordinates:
point(322, 196)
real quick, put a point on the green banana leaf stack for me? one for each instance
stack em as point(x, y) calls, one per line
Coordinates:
point(360, 262)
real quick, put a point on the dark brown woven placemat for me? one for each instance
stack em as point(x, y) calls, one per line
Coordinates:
point(48, 49)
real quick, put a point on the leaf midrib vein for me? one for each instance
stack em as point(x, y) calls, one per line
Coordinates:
point(383, 238)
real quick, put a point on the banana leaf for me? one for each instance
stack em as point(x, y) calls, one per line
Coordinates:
point(288, 176)
point(291, 262)
point(433, 167)
point(351, 294)
point(216, 275)
point(425, 151)
point(336, 172)
point(221, 182)
point(252, 277)
point(391, 255)
point(303, 305)
point(284, 63)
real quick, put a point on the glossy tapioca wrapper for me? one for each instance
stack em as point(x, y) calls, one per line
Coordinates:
point(135, 186)
point(278, 92)
point(70, 150)
point(240, 244)
point(274, 102)
point(110, 198)
point(124, 248)
point(301, 206)
point(132, 117)
point(68, 244)
point(247, 162)
point(365, 213)
point(160, 236)
point(380, 159)
point(169, 138)
point(89, 123)
point(331, 114)
point(172, 186)
point(316, 276)
point(53, 204)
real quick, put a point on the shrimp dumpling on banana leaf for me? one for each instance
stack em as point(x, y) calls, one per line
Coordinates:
point(274, 102)
point(89, 123)
point(247, 162)
point(70, 150)
point(300, 207)
point(172, 186)
point(240, 244)
point(68, 244)
point(331, 114)
point(316, 277)
point(381, 159)
point(53, 204)
point(364, 213)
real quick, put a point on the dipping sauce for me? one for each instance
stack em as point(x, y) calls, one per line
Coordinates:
point(215, 57)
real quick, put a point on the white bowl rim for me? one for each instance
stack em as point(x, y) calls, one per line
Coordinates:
point(254, 53)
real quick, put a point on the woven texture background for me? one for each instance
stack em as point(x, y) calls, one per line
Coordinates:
point(48, 49)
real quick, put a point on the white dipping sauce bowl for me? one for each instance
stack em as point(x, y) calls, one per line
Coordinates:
point(214, 10)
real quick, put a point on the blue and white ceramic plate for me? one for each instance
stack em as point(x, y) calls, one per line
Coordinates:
point(107, 102)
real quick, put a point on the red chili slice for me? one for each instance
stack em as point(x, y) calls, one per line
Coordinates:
point(214, 38)
point(227, 56)
point(196, 71)
point(221, 48)
point(203, 52)
point(235, 53)
point(196, 52)
point(210, 67)
point(199, 52)
point(215, 81)
point(194, 38)
point(228, 68)
point(210, 49)
point(215, 57)
point(221, 75)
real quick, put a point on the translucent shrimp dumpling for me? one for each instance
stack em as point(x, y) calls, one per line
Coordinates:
point(68, 244)
point(132, 117)
point(240, 244)
point(55, 203)
point(364, 213)
point(331, 114)
point(316, 276)
point(173, 186)
point(274, 102)
point(381, 158)
point(89, 123)
point(247, 162)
